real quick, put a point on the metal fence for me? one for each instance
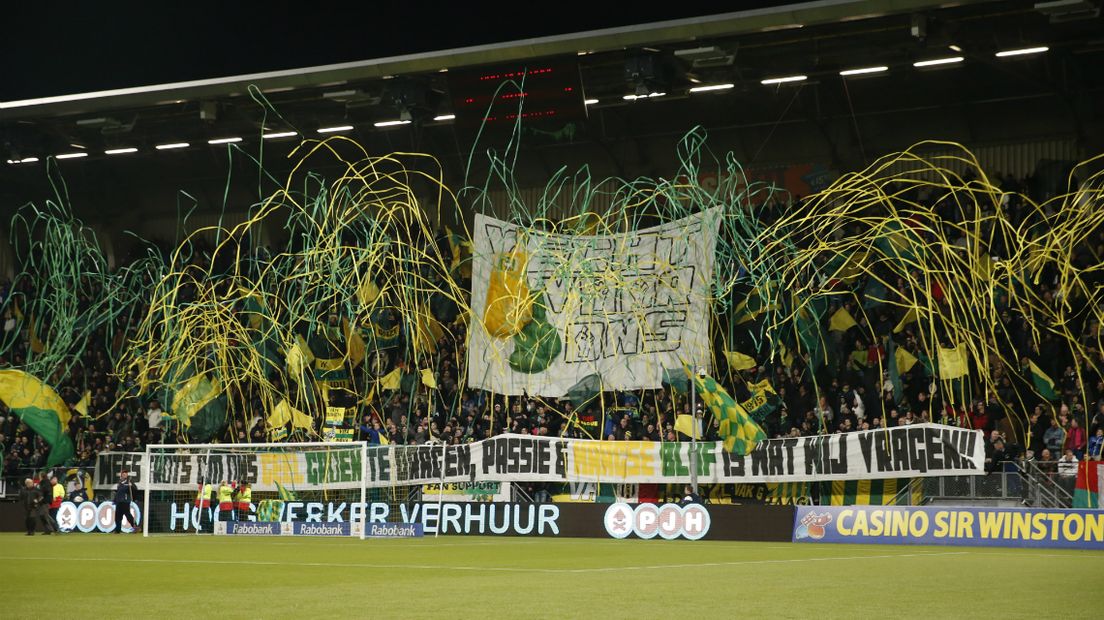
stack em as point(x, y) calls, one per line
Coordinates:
point(1030, 483)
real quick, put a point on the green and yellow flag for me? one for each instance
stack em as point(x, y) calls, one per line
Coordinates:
point(685, 424)
point(283, 493)
point(40, 408)
point(753, 305)
point(841, 321)
point(197, 403)
point(299, 357)
point(368, 292)
point(1043, 383)
point(427, 331)
point(428, 379)
point(739, 361)
point(905, 360)
point(354, 344)
point(739, 432)
point(37, 345)
point(392, 380)
point(763, 400)
point(283, 413)
point(885, 492)
point(953, 363)
point(910, 317)
point(82, 405)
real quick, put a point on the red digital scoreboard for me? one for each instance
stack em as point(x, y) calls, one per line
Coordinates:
point(544, 94)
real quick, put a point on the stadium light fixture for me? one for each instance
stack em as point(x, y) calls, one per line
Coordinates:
point(864, 71)
point(70, 155)
point(335, 129)
point(224, 140)
point(121, 151)
point(784, 79)
point(711, 88)
point(172, 146)
point(1023, 51)
point(950, 60)
point(278, 134)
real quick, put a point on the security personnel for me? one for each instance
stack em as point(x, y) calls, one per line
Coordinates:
point(125, 493)
point(203, 504)
point(59, 496)
point(226, 501)
point(244, 500)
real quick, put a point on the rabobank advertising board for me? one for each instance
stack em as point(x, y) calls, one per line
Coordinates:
point(962, 526)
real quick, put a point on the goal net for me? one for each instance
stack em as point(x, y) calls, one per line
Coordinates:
point(313, 489)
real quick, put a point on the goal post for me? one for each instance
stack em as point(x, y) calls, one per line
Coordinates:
point(315, 488)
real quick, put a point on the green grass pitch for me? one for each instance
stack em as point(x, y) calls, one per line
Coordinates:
point(74, 575)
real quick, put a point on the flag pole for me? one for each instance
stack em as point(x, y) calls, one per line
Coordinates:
point(694, 435)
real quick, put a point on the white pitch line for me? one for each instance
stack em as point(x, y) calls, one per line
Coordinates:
point(1089, 554)
point(745, 562)
point(506, 569)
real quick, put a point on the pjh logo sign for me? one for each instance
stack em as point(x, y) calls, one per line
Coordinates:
point(89, 516)
point(669, 521)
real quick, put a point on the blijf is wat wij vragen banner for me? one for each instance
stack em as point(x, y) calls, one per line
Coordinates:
point(901, 452)
point(555, 309)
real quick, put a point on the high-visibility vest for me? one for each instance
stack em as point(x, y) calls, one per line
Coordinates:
point(245, 497)
point(59, 494)
point(225, 497)
point(203, 498)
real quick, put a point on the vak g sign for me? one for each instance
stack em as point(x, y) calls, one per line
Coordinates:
point(668, 521)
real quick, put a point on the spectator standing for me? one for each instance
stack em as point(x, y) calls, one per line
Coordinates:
point(1096, 445)
point(1053, 438)
point(154, 414)
point(1075, 439)
point(1067, 471)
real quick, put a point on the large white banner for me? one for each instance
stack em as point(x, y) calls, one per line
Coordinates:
point(550, 310)
point(916, 450)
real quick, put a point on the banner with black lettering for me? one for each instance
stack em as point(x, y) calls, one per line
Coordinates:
point(903, 452)
point(109, 464)
point(306, 470)
point(913, 451)
point(550, 310)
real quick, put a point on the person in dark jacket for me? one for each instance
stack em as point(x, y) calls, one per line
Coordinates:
point(34, 509)
point(47, 491)
point(125, 493)
point(689, 496)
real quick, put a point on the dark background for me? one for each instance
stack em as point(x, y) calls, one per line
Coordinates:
point(58, 48)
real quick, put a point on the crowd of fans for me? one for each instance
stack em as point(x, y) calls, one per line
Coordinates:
point(852, 394)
